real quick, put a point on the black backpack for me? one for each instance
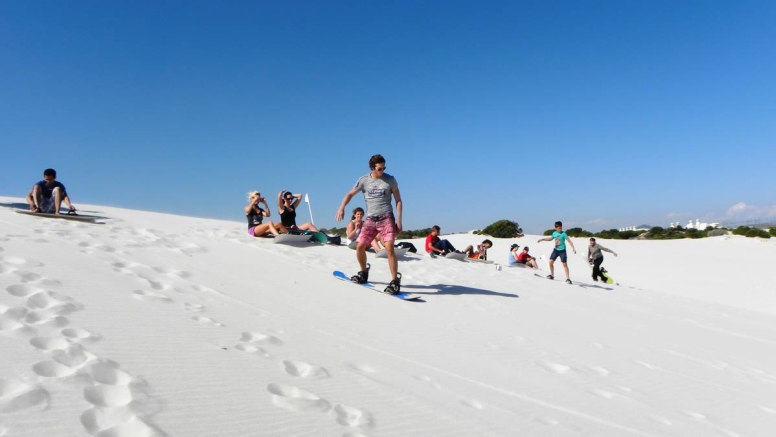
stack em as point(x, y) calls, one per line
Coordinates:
point(409, 246)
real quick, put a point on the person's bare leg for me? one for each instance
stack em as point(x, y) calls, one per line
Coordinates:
point(393, 263)
point(31, 199)
point(552, 268)
point(361, 255)
point(57, 199)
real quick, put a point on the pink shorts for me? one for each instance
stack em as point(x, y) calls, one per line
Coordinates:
point(384, 225)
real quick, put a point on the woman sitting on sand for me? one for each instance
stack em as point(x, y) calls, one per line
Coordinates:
point(287, 203)
point(481, 252)
point(255, 215)
point(354, 229)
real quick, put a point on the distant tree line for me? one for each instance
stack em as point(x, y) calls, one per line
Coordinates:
point(497, 229)
point(678, 232)
point(510, 229)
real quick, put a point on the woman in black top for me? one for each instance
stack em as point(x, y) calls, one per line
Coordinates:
point(287, 203)
point(255, 215)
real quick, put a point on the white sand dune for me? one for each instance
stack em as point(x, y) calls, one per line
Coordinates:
point(154, 325)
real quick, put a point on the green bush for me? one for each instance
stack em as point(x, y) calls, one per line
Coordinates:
point(754, 232)
point(503, 229)
point(409, 234)
point(751, 232)
point(578, 232)
point(772, 231)
point(548, 232)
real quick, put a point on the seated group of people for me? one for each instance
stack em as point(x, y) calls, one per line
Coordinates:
point(517, 256)
point(437, 246)
point(287, 203)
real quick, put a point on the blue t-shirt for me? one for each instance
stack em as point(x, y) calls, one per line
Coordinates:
point(47, 190)
point(560, 240)
point(511, 261)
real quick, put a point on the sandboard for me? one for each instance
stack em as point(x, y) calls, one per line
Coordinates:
point(291, 239)
point(399, 252)
point(456, 255)
point(402, 295)
point(477, 260)
point(74, 217)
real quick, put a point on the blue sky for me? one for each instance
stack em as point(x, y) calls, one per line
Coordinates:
point(599, 113)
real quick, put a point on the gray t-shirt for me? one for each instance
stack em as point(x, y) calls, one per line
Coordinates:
point(377, 193)
point(594, 251)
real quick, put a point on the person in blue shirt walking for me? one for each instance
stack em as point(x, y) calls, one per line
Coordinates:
point(560, 238)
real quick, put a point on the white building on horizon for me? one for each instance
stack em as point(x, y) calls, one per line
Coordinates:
point(634, 228)
point(697, 225)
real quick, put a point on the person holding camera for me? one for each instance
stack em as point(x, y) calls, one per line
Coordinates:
point(255, 215)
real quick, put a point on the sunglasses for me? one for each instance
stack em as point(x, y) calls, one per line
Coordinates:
point(380, 168)
point(289, 198)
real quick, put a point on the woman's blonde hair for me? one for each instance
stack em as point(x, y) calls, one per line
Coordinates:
point(252, 193)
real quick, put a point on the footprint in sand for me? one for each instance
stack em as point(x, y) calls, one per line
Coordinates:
point(47, 299)
point(251, 349)
point(21, 262)
point(768, 409)
point(549, 421)
point(600, 371)
point(558, 368)
point(472, 403)
point(173, 272)
point(17, 395)
point(101, 395)
point(26, 276)
point(304, 370)
point(151, 296)
point(602, 393)
point(79, 334)
point(361, 368)
point(50, 343)
point(350, 416)
point(207, 321)
point(428, 381)
point(52, 369)
point(193, 307)
point(5, 269)
point(660, 419)
point(23, 290)
point(648, 365)
point(116, 422)
point(156, 285)
point(296, 399)
point(73, 356)
point(258, 337)
point(695, 415)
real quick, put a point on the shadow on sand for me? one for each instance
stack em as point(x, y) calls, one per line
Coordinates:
point(15, 205)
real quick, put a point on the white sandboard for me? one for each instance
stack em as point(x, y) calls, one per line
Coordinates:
point(398, 251)
point(291, 239)
point(477, 260)
point(456, 255)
